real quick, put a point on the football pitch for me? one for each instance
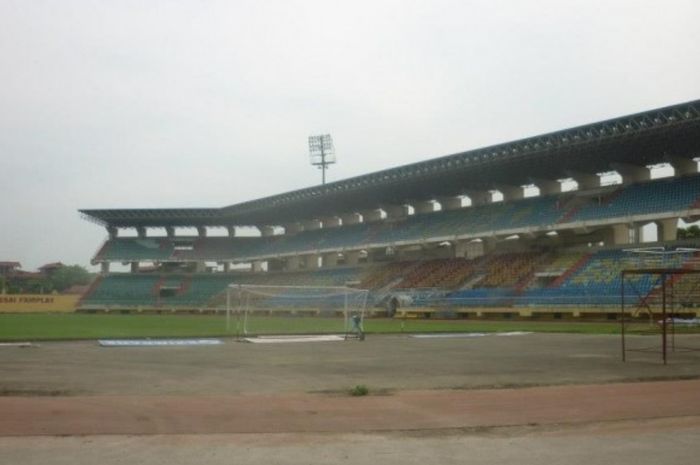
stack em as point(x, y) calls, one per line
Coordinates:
point(15, 327)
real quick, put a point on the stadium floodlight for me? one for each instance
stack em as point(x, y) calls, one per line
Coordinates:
point(322, 153)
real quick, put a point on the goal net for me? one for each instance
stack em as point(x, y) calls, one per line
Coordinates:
point(257, 310)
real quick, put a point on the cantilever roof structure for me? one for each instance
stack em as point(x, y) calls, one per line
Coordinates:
point(640, 139)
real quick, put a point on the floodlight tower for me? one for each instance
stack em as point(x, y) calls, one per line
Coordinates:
point(322, 153)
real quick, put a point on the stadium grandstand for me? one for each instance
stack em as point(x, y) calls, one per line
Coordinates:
point(541, 225)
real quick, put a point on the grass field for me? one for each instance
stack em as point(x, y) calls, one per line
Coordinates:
point(15, 327)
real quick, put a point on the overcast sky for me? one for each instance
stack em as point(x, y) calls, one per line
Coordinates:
point(108, 104)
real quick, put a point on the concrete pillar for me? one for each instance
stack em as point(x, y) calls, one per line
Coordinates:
point(134, 267)
point(395, 211)
point(257, 266)
point(620, 234)
point(293, 263)
point(468, 249)
point(266, 231)
point(351, 218)
point(104, 267)
point(231, 230)
point(639, 235)
point(371, 216)
point(427, 206)
point(489, 244)
point(330, 259)
point(450, 203)
point(632, 173)
point(511, 192)
point(141, 232)
point(112, 232)
point(460, 249)
point(311, 225)
point(352, 257)
point(170, 231)
point(311, 261)
point(202, 231)
point(331, 222)
point(292, 228)
point(547, 186)
point(683, 166)
point(585, 181)
point(227, 267)
point(479, 197)
point(667, 229)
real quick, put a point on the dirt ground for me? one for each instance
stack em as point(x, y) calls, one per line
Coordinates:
point(382, 363)
point(562, 398)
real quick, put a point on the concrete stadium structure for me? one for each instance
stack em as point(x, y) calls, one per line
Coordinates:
point(464, 228)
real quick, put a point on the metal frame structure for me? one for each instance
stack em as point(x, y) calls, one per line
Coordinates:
point(642, 303)
point(322, 153)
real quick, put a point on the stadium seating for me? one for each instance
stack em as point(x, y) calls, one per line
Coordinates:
point(669, 194)
point(125, 249)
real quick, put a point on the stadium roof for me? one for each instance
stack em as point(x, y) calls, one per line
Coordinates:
point(641, 139)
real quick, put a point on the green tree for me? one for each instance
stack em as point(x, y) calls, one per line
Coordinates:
point(68, 276)
point(691, 232)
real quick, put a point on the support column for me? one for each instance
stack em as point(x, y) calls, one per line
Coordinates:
point(141, 232)
point(104, 267)
point(311, 225)
point(351, 218)
point(511, 192)
point(450, 203)
point(371, 216)
point(667, 229)
point(134, 267)
point(227, 267)
point(266, 231)
point(202, 231)
point(639, 235)
point(632, 173)
point(311, 261)
point(352, 257)
point(292, 228)
point(489, 244)
point(231, 230)
point(547, 186)
point(396, 211)
point(112, 232)
point(683, 166)
point(330, 259)
point(427, 206)
point(331, 222)
point(170, 231)
point(479, 197)
point(257, 266)
point(620, 234)
point(293, 263)
point(585, 181)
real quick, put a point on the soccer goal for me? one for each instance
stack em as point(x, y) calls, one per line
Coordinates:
point(267, 310)
point(660, 296)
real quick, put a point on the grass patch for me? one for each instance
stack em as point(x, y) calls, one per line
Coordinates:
point(33, 327)
point(359, 390)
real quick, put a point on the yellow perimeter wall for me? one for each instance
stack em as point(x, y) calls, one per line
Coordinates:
point(25, 303)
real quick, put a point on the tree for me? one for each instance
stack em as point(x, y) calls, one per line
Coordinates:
point(68, 276)
point(691, 232)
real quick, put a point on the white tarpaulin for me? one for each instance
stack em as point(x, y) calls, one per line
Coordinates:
point(158, 342)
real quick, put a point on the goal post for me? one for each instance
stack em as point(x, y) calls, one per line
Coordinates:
point(658, 296)
point(261, 310)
